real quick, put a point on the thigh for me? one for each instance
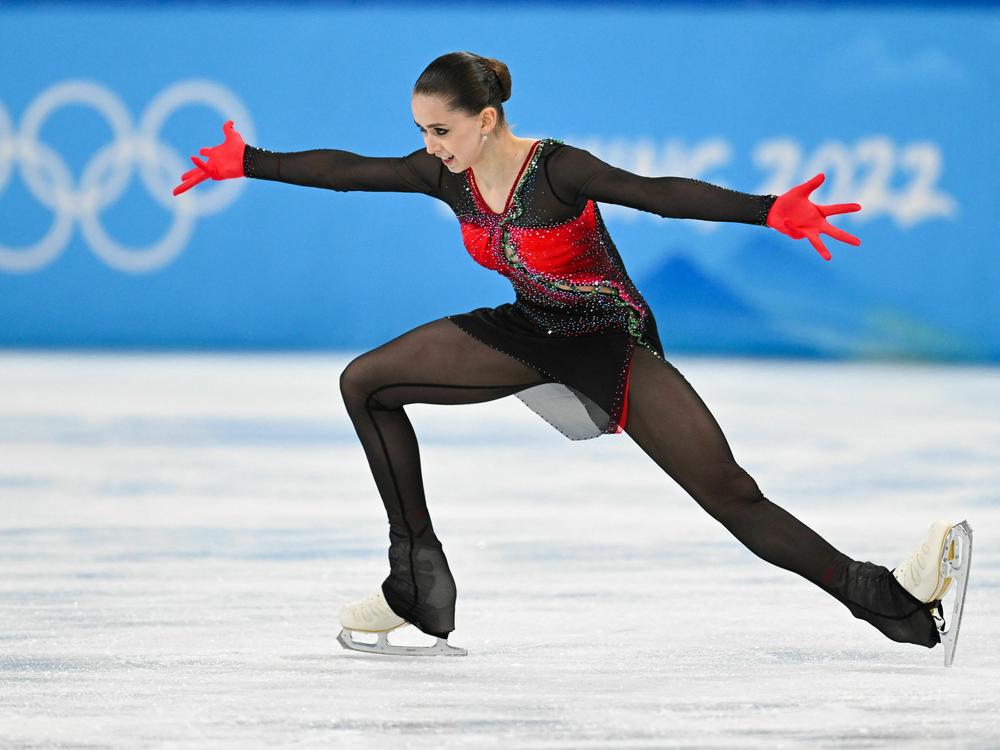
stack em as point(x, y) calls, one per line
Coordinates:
point(673, 426)
point(437, 363)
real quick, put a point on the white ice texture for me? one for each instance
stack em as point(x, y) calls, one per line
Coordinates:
point(178, 533)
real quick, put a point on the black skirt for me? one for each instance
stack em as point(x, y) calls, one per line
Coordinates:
point(587, 392)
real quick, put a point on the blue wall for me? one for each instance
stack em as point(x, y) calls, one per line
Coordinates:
point(897, 105)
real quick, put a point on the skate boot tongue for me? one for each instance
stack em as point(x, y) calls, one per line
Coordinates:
point(923, 573)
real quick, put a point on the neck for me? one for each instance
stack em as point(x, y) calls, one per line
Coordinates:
point(499, 156)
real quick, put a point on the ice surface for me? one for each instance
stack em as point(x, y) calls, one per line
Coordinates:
point(178, 533)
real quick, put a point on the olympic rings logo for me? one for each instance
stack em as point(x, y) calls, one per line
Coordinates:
point(109, 171)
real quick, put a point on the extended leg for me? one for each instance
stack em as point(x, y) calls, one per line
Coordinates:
point(670, 422)
point(436, 363)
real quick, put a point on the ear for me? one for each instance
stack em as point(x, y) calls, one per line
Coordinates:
point(488, 119)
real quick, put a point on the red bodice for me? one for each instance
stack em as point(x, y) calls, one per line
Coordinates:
point(563, 272)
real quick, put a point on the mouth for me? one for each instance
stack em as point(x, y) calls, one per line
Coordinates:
point(449, 160)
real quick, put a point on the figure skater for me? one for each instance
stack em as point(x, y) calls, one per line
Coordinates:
point(579, 346)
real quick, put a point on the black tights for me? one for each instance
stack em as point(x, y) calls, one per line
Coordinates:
point(439, 363)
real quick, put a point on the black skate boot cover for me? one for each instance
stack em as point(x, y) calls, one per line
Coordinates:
point(420, 587)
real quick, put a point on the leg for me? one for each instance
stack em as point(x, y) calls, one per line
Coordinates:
point(435, 363)
point(672, 425)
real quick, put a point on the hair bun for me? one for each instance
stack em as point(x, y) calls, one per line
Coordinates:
point(502, 74)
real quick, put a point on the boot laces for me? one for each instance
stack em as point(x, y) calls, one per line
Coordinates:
point(911, 572)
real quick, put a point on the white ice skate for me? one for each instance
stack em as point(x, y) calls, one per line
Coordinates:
point(941, 560)
point(373, 615)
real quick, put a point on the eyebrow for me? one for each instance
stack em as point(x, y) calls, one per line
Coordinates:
point(432, 125)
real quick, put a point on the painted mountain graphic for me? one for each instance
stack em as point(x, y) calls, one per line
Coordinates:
point(697, 312)
point(791, 281)
point(812, 300)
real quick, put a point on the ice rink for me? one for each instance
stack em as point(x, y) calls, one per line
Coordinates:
point(179, 532)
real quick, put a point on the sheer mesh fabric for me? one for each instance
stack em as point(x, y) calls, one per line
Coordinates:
point(439, 363)
point(572, 176)
point(584, 369)
point(673, 426)
point(436, 363)
point(575, 175)
point(587, 358)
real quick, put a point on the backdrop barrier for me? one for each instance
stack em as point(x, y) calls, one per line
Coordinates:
point(100, 108)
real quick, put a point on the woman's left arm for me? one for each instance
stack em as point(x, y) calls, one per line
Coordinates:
point(577, 174)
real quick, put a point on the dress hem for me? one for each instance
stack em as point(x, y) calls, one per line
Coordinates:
point(615, 423)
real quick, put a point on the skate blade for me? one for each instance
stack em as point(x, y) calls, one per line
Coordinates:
point(441, 646)
point(956, 559)
point(946, 554)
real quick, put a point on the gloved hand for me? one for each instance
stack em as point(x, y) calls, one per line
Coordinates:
point(797, 216)
point(224, 161)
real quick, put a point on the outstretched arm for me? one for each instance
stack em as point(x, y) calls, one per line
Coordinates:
point(576, 174)
point(332, 169)
point(335, 169)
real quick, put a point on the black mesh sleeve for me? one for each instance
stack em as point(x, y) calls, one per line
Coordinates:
point(576, 174)
point(333, 169)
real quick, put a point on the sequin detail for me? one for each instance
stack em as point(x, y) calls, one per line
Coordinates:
point(568, 277)
point(250, 158)
point(765, 209)
point(542, 414)
point(577, 317)
point(594, 294)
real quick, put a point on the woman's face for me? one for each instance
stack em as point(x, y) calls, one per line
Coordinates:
point(449, 134)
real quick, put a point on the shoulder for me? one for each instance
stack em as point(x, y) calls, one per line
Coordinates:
point(549, 146)
point(569, 163)
point(558, 151)
point(427, 168)
point(420, 157)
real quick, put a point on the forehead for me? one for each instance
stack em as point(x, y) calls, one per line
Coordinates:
point(431, 107)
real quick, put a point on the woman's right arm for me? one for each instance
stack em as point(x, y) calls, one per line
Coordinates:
point(418, 172)
point(334, 169)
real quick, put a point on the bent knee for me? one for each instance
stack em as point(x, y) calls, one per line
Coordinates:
point(358, 380)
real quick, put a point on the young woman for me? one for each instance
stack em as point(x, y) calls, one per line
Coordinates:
point(579, 345)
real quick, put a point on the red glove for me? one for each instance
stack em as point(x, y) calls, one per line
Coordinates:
point(797, 216)
point(224, 161)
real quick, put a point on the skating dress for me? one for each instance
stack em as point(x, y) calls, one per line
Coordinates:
point(576, 316)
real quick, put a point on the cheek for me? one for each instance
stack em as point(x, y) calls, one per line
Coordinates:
point(470, 146)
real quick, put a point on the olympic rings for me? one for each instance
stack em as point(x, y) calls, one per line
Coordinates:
point(105, 177)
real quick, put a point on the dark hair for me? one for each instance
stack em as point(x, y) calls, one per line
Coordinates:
point(468, 82)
